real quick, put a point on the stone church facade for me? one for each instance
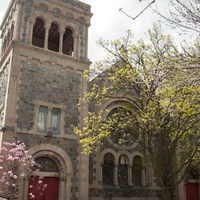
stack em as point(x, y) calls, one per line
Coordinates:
point(43, 58)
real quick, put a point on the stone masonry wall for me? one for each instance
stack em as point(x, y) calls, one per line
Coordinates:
point(109, 193)
point(51, 85)
point(3, 90)
point(47, 85)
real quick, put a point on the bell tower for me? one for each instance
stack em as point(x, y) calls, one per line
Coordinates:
point(43, 58)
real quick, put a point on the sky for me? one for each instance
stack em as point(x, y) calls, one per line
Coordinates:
point(109, 23)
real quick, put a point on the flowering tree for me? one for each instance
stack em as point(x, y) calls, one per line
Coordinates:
point(15, 164)
point(157, 87)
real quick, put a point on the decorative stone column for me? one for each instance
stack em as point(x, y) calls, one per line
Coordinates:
point(130, 180)
point(31, 31)
point(115, 175)
point(101, 173)
point(75, 47)
point(18, 23)
point(47, 27)
point(62, 189)
point(86, 41)
point(143, 177)
point(61, 41)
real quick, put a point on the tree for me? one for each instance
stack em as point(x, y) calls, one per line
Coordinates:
point(160, 88)
point(183, 14)
point(15, 165)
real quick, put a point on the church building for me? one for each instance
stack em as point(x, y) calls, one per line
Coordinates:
point(44, 53)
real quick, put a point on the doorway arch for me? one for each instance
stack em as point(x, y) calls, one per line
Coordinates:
point(192, 184)
point(59, 170)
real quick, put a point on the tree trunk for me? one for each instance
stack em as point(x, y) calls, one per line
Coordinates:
point(168, 194)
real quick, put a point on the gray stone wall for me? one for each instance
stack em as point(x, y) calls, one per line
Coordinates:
point(77, 4)
point(124, 192)
point(3, 90)
point(51, 85)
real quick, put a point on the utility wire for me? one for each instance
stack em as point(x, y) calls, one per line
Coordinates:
point(133, 18)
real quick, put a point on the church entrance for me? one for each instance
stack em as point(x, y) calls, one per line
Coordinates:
point(45, 184)
point(192, 184)
point(48, 190)
point(192, 191)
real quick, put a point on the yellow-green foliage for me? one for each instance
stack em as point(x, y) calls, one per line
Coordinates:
point(161, 87)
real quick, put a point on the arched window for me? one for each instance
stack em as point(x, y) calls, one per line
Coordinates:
point(38, 33)
point(47, 164)
point(123, 170)
point(108, 169)
point(54, 36)
point(192, 174)
point(123, 125)
point(68, 42)
point(137, 171)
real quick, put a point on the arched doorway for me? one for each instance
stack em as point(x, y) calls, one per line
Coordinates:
point(45, 185)
point(63, 164)
point(192, 184)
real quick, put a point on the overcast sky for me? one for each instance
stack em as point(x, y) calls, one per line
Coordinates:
point(108, 23)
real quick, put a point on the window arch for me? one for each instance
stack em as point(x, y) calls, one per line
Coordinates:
point(54, 37)
point(68, 42)
point(47, 164)
point(192, 174)
point(123, 170)
point(108, 169)
point(123, 125)
point(137, 171)
point(38, 33)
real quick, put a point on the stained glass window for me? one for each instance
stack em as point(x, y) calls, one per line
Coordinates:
point(42, 117)
point(47, 164)
point(123, 125)
point(108, 169)
point(55, 120)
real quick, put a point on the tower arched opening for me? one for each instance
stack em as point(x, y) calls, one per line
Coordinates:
point(54, 36)
point(68, 42)
point(38, 33)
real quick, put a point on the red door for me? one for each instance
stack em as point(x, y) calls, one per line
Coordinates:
point(39, 192)
point(192, 191)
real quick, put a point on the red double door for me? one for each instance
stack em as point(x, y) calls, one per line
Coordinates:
point(192, 191)
point(40, 192)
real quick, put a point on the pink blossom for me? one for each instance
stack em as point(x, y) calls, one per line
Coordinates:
point(15, 164)
point(32, 196)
